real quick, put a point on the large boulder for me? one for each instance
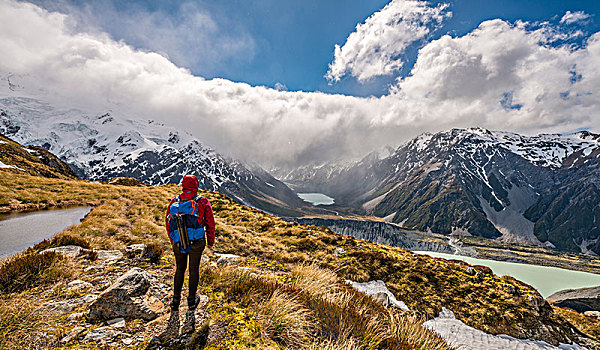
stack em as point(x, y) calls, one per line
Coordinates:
point(580, 300)
point(136, 294)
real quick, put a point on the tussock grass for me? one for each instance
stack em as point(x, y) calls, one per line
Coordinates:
point(28, 269)
point(410, 330)
point(152, 252)
point(62, 240)
point(284, 319)
point(297, 262)
point(590, 326)
point(18, 321)
point(315, 280)
point(308, 307)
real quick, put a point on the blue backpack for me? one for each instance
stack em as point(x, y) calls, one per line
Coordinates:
point(184, 228)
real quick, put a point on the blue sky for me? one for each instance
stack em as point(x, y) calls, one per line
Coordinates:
point(386, 71)
point(292, 41)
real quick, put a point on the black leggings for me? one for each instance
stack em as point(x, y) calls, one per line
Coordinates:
point(181, 261)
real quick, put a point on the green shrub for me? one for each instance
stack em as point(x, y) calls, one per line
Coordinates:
point(25, 270)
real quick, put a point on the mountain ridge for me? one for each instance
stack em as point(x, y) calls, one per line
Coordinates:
point(103, 146)
point(475, 182)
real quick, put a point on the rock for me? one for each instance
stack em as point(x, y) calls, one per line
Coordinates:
point(382, 298)
point(101, 334)
point(92, 268)
point(73, 334)
point(71, 251)
point(117, 322)
point(509, 288)
point(60, 307)
point(135, 249)
point(75, 316)
point(595, 314)
point(227, 259)
point(339, 251)
point(89, 298)
point(127, 341)
point(134, 295)
point(470, 271)
point(484, 269)
point(376, 289)
point(580, 300)
point(109, 255)
point(205, 259)
point(79, 285)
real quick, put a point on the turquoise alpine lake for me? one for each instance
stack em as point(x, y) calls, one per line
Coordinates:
point(547, 280)
point(316, 198)
point(21, 230)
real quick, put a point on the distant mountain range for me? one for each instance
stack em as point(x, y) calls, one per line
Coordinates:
point(103, 146)
point(543, 190)
point(540, 189)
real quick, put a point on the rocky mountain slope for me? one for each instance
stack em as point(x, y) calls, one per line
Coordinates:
point(32, 160)
point(530, 189)
point(100, 147)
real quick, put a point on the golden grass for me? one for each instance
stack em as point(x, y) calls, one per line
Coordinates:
point(284, 319)
point(300, 265)
point(296, 310)
point(590, 326)
point(24, 270)
point(18, 323)
point(62, 239)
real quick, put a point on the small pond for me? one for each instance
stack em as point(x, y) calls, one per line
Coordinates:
point(547, 280)
point(21, 230)
point(316, 198)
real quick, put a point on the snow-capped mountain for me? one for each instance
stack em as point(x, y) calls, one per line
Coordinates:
point(106, 145)
point(483, 183)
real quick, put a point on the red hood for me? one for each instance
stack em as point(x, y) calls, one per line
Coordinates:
point(190, 184)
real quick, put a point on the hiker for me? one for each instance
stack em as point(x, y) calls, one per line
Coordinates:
point(196, 219)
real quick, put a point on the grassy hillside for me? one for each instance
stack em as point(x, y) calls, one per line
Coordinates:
point(33, 160)
point(291, 292)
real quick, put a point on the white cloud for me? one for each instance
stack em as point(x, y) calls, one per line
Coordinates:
point(499, 76)
point(189, 35)
point(374, 48)
point(572, 17)
point(467, 78)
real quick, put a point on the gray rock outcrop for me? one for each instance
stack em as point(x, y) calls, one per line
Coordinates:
point(71, 251)
point(580, 300)
point(136, 294)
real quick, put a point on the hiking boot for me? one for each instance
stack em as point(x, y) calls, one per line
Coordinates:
point(193, 302)
point(190, 322)
point(175, 303)
point(172, 329)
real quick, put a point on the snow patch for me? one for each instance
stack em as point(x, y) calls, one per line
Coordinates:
point(6, 166)
point(391, 216)
point(461, 336)
point(373, 288)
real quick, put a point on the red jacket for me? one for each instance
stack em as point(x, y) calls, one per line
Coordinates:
point(205, 213)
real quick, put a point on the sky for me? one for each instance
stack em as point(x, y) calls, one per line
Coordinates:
point(285, 83)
